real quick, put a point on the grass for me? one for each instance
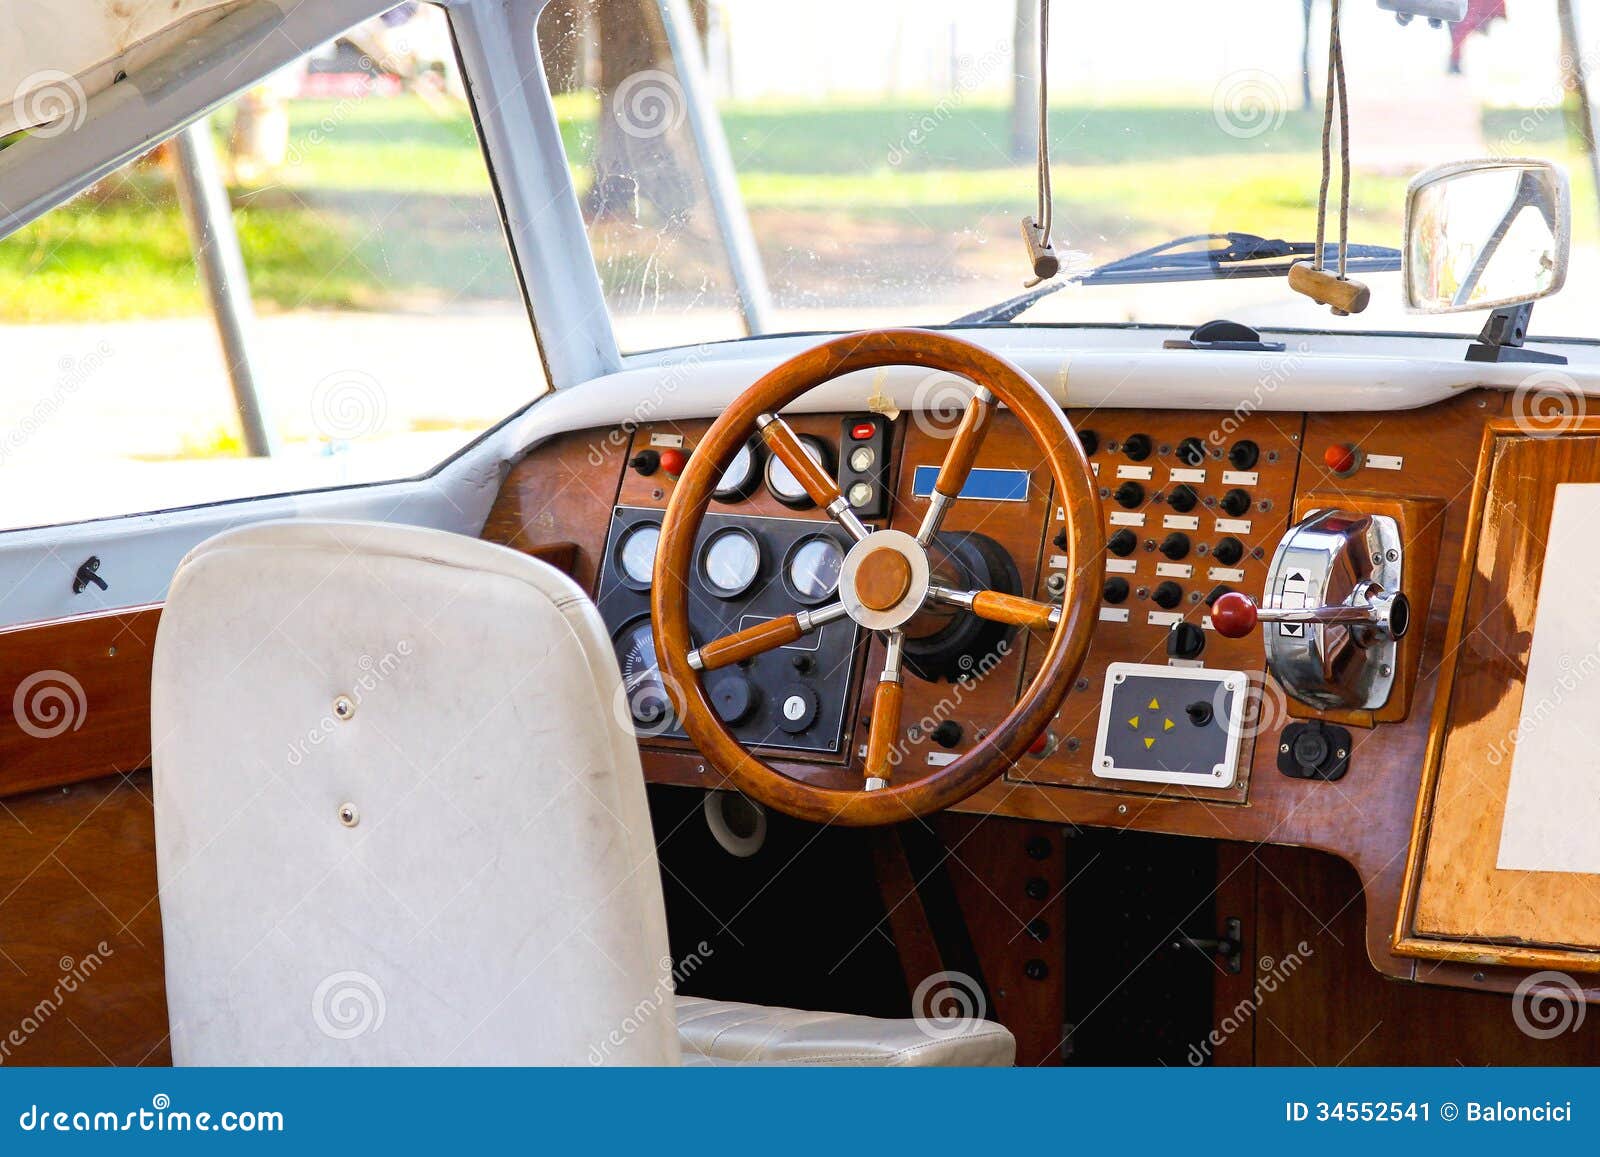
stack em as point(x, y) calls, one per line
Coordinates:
point(385, 203)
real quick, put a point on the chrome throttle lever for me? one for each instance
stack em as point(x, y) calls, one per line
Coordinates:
point(1388, 613)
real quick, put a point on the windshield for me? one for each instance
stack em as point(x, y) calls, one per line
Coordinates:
point(879, 156)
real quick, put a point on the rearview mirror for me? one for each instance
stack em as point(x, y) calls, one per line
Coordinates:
point(1482, 234)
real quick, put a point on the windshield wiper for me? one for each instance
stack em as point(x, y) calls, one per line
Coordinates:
point(1186, 259)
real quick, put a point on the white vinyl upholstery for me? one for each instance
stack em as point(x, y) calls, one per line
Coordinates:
point(401, 819)
point(721, 1032)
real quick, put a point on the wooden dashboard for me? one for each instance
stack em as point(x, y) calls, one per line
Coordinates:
point(1420, 463)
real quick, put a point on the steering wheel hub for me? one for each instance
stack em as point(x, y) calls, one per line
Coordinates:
point(884, 580)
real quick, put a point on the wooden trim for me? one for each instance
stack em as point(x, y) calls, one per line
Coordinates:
point(1405, 941)
point(77, 698)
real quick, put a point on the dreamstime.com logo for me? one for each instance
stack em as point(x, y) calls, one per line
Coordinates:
point(348, 1004)
point(1547, 1004)
point(49, 703)
point(1547, 404)
point(948, 1004)
point(649, 104)
point(160, 1117)
point(1249, 102)
point(50, 103)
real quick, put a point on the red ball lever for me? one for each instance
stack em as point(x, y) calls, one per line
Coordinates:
point(1233, 615)
point(673, 461)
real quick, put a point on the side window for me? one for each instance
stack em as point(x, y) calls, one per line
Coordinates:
point(377, 328)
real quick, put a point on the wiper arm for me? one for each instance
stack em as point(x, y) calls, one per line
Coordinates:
point(1242, 255)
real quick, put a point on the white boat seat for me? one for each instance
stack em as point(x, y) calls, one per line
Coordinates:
point(401, 819)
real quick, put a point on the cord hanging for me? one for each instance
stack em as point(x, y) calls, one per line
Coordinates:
point(1311, 278)
point(1036, 229)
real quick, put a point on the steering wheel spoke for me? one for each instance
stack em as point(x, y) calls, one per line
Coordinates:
point(752, 641)
point(957, 465)
point(1001, 608)
point(822, 490)
point(886, 704)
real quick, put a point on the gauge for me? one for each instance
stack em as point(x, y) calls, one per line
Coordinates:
point(784, 485)
point(729, 561)
point(741, 476)
point(646, 693)
point(636, 553)
point(813, 568)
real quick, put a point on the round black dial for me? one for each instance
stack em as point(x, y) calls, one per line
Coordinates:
point(1122, 543)
point(1244, 454)
point(1137, 447)
point(1191, 452)
point(1175, 545)
point(1167, 595)
point(1228, 550)
point(1129, 494)
point(1182, 498)
point(1235, 502)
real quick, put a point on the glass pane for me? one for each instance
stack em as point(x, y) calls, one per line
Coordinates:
point(385, 326)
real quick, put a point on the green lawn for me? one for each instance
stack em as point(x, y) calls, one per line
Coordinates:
point(386, 202)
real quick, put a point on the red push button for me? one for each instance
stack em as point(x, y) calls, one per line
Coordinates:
point(1341, 458)
point(862, 431)
point(673, 461)
point(1038, 745)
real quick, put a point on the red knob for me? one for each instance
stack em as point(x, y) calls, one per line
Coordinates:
point(673, 461)
point(1039, 744)
point(1341, 458)
point(1233, 615)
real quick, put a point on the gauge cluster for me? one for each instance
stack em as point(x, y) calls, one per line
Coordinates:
point(746, 568)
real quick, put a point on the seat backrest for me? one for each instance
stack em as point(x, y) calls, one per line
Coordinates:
point(400, 816)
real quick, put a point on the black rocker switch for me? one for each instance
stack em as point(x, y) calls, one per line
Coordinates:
point(1185, 641)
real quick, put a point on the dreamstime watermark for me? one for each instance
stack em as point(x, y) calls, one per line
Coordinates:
point(1547, 1004)
point(947, 1005)
point(973, 671)
point(1548, 403)
point(645, 407)
point(74, 373)
point(348, 405)
point(49, 703)
point(977, 71)
point(160, 1117)
point(348, 1004)
point(938, 403)
point(372, 674)
point(1275, 374)
point(331, 121)
point(74, 974)
point(649, 1007)
point(49, 103)
point(1574, 673)
point(649, 104)
point(1249, 102)
point(1262, 707)
point(1274, 974)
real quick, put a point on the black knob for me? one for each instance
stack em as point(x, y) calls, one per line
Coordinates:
point(1089, 440)
point(1228, 550)
point(947, 734)
point(1037, 888)
point(803, 664)
point(1136, 447)
point(1191, 452)
point(734, 697)
point(1115, 590)
point(1217, 592)
point(1199, 712)
point(1167, 595)
point(1122, 543)
point(1183, 498)
point(1244, 454)
point(1185, 641)
point(1060, 540)
point(1175, 545)
point(646, 462)
point(1036, 969)
point(1129, 494)
point(1235, 502)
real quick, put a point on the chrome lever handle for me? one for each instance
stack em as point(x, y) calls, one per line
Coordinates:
point(1235, 615)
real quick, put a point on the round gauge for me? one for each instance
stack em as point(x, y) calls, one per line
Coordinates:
point(741, 476)
point(813, 568)
point(784, 485)
point(642, 685)
point(729, 561)
point(636, 553)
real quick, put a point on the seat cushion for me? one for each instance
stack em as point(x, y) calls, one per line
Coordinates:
point(721, 1032)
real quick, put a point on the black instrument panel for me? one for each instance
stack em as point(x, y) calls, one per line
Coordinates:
point(747, 568)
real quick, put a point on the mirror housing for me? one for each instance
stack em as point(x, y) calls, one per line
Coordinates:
point(1484, 234)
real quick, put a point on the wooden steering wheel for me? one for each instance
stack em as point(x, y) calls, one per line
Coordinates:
point(885, 581)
